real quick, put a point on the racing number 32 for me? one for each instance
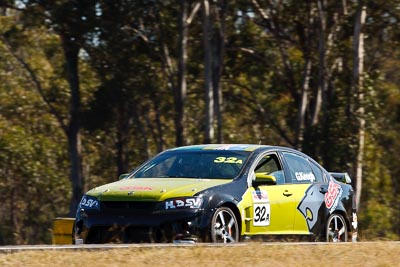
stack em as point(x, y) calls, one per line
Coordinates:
point(261, 214)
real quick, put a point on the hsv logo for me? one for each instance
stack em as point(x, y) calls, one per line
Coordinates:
point(333, 195)
point(136, 188)
point(89, 203)
point(192, 203)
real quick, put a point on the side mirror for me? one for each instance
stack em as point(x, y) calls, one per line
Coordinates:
point(123, 176)
point(342, 177)
point(264, 179)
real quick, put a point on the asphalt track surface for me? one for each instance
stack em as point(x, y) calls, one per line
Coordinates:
point(8, 249)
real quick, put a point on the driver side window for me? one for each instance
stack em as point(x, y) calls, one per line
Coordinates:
point(269, 165)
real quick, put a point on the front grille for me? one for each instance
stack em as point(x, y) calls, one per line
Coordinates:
point(133, 206)
point(129, 234)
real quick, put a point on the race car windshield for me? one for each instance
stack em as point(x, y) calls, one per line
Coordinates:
point(194, 164)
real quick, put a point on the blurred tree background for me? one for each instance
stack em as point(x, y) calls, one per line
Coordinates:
point(90, 89)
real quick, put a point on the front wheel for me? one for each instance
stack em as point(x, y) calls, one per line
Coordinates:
point(224, 226)
point(336, 229)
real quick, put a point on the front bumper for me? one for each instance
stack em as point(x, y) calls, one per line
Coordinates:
point(139, 226)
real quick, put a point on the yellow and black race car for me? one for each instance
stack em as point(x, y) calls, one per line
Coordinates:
point(220, 193)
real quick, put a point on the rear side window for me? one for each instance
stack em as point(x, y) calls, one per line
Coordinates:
point(317, 172)
point(299, 169)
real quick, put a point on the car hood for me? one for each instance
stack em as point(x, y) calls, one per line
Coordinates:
point(152, 189)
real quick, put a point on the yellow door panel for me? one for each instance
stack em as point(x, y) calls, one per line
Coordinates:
point(272, 209)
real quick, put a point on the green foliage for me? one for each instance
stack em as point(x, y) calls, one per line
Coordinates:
point(376, 206)
point(34, 185)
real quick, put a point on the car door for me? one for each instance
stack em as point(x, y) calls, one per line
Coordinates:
point(272, 210)
point(306, 179)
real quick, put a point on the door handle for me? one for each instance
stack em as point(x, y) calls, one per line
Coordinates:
point(286, 193)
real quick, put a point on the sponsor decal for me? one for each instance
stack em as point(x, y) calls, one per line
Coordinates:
point(261, 208)
point(302, 176)
point(310, 205)
point(136, 188)
point(89, 203)
point(227, 147)
point(333, 195)
point(259, 195)
point(193, 203)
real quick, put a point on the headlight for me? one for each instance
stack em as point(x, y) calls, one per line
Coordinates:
point(183, 203)
point(88, 202)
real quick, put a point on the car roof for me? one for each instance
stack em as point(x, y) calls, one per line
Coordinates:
point(232, 147)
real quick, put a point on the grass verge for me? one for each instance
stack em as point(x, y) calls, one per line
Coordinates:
point(251, 254)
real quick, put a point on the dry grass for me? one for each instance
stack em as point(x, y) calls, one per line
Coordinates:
point(253, 254)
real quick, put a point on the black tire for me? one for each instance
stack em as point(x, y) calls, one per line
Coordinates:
point(336, 229)
point(224, 226)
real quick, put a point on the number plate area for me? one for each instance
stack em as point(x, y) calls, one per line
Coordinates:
point(261, 214)
point(261, 208)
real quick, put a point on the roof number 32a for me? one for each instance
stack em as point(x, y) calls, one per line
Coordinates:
point(228, 160)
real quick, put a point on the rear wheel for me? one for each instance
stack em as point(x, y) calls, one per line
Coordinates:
point(336, 229)
point(224, 226)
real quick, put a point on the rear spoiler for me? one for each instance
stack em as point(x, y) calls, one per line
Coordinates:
point(342, 177)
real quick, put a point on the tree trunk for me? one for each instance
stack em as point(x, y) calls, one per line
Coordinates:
point(209, 122)
point(358, 88)
point(159, 139)
point(301, 119)
point(122, 137)
point(322, 81)
point(218, 65)
point(71, 51)
point(180, 94)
